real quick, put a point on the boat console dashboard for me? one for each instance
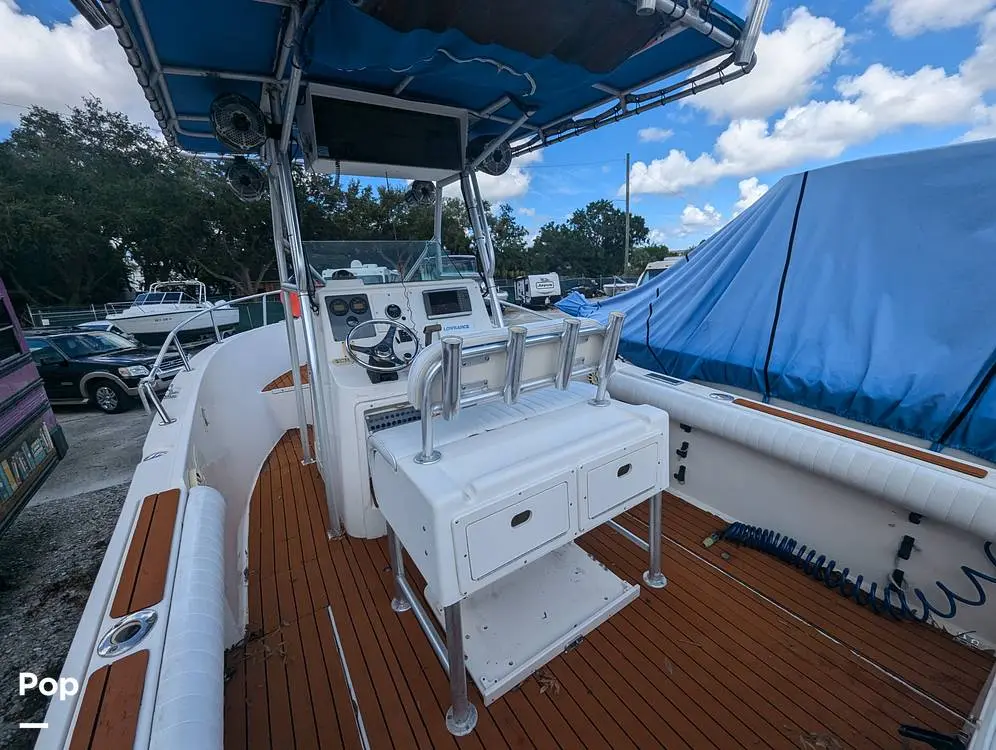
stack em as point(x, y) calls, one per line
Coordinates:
point(431, 309)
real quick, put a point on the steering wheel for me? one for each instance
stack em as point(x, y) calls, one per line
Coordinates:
point(384, 350)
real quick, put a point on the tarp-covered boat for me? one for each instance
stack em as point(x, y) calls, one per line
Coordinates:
point(862, 289)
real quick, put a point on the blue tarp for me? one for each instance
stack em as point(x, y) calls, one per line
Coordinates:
point(547, 57)
point(887, 312)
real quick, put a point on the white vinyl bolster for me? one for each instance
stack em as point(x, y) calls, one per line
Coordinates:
point(190, 703)
point(937, 493)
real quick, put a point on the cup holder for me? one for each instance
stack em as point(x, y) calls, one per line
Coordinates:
point(127, 634)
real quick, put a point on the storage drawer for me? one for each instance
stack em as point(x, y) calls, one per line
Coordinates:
point(630, 476)
point(508, 534)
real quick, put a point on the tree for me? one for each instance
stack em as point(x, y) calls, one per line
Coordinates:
point(639, 257)
point(590, 243)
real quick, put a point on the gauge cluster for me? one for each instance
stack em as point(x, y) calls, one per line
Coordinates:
point(348, 311)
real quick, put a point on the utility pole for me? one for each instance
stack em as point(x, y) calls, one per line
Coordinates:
point(626, 241)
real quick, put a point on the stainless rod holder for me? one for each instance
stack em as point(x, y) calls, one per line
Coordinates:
point(654, 578)
point(452, 380)
point(428, 454)
point(400, 601)
point(606, 362)
point(461, 718)
point(515, 348)
point(568, 348)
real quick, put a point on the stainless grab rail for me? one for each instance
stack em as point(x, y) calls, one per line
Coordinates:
point(146, 391)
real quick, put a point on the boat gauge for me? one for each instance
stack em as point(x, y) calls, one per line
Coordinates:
point(351, 321)
point(393, 312)
point(359, 305)
point(339, 307)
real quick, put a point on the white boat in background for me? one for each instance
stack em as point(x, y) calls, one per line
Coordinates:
point(153, 314)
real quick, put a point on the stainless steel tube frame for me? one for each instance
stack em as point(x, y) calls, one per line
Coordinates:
point(751, 33)
point(485, 250)
point(606, 362)
point(489, 272)
point(461, 718)
point(276, 209)
point(322, 435)
point(688, 17)
point(653, 577)
point(400, 601)
point(149, 397)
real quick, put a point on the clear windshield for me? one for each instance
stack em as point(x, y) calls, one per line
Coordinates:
point(387, 261)
point(92, 342)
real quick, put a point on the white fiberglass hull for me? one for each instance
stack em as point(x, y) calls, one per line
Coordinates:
point(152, 327)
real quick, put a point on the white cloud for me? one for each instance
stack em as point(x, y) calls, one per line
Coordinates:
point(513, 184)
point(527, 211)
point(55, 67)
point(908, 18)
point(652, 135)
point(789, 60)
point(751, 191)
point(877, 101)
point(695, 220)
point(985, 126)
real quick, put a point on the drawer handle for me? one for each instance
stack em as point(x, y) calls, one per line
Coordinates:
point(623, 470)
point(521, 517)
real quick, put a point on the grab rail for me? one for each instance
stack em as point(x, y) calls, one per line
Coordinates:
point(147, 392)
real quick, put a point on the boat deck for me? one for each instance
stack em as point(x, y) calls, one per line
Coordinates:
point(736, 653)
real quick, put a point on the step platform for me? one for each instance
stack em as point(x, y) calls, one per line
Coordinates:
point(522, 621)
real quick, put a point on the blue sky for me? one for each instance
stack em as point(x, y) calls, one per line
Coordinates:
point(835, 81)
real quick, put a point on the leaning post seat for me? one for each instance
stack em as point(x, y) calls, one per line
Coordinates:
point(488, 500)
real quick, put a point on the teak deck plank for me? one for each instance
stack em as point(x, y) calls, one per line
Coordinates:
point(286, 380)
point(924, 656)
point(111, 703)
point(709, 661)
point(143, 576)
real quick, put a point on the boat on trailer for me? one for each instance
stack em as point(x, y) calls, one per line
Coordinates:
point(392, 520)
point(153, 314)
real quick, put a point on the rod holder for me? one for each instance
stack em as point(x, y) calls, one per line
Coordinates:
point(568, 348)
point(428, 454)
point(606, 362)
point(646, 7)
point(515, 348)
point(452, 361)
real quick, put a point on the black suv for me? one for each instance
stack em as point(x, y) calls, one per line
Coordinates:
point(97, 367)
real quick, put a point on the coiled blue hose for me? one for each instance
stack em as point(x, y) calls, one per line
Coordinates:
point(893, 600)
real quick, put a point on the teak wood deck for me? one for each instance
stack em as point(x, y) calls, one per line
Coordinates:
point(738, 653)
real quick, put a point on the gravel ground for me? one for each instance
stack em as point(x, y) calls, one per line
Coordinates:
point(51, 554)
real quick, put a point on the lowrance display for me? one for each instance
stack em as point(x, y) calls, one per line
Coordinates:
point(444, 303)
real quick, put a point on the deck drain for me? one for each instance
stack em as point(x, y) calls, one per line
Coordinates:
point(127, 634)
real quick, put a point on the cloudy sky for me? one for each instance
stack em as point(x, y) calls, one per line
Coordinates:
point(836, 80)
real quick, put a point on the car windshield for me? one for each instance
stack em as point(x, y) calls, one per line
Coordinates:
point(93, 342)
point(387, 261)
